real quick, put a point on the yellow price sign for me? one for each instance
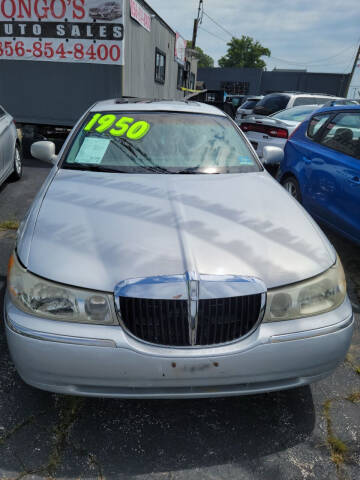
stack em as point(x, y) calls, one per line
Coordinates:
point(118, 127)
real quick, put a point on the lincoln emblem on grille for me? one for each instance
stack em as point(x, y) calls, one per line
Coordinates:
point(193, 305)
point(192, 309)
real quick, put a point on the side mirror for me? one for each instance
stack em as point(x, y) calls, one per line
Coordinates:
point(44, 151)
point(272, 156)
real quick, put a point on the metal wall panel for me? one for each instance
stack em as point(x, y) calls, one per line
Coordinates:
point(53, 93)
point(139, 70)
point(262, 82)
point(213, 77)
point(330, 83)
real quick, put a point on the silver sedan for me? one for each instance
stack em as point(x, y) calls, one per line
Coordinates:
point(160, 260)
point(10, 156)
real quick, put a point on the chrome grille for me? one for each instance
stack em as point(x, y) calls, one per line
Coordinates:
point(163, 322)
point(166, 322)
point(222, 320)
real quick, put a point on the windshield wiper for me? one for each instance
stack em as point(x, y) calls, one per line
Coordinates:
point(91, 167)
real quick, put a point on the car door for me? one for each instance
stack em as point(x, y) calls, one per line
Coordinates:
point(7, 140)
point(309, 163)
point(2, 143)
point(333, 172)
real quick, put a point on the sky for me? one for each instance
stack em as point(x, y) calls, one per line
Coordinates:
point(317, 35)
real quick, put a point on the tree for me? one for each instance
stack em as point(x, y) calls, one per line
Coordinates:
point(244, 52)
point(205, 61)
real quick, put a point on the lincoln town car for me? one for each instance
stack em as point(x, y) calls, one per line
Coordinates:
point(161, 260)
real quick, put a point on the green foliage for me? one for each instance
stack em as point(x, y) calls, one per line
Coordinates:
point(205, 61)
point(244, 52)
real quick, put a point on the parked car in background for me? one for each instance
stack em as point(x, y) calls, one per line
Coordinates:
point(346, 101)
point(321, 168)
point(10, 149)
point(247, 107)
point(231, 103)
point(274, 102)
point(275, 129)
point(106, 11)
point(160, 260)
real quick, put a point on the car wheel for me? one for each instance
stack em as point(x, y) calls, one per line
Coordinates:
point(292, 186)
point(17, 164)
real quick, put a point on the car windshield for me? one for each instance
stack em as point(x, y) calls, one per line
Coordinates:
point(296, 114)
point(159, 142)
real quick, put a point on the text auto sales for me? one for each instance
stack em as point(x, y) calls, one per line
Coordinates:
point(65, 29)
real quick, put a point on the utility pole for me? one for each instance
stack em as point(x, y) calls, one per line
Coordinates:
point(352, 71)
point(197, 22)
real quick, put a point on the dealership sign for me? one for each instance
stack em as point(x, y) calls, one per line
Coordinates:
point(139, 14)
point(180, 49)
point(76, 31)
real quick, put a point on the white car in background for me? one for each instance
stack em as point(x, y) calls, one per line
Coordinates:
point(275, 129)
point(274, 102)
point(10, 149)
point(247, 107)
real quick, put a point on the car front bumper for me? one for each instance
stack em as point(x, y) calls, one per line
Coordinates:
point(106, 362)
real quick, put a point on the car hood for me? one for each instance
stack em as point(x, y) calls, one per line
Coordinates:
point(95, 229)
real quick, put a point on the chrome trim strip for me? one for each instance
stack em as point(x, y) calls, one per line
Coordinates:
point(176, 287)
point(53, 337)
point(288, 337)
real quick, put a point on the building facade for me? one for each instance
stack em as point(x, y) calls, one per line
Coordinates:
point(55, 67)
point(151, 67)
point(253, 81)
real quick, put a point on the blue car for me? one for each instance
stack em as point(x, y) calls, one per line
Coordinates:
point(321, 168)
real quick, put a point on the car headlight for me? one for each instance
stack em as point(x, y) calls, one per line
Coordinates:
point(53, 301)
point(311, 297)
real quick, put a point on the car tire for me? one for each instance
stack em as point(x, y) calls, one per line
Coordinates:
point(292, 186)
point(17, 173)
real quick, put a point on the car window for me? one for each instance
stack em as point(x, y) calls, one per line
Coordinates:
point(160, 142)
point(249, 104)
point(236, 101)
point(2, 112)
point(297, 114)
point(343, 134)
point(271, 104)
point(316, 123)
point(310, 101)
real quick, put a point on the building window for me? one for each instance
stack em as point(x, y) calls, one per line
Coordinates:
point(160, 66)
point(180, 77)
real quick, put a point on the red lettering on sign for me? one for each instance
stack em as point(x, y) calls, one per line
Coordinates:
point(27, 8)
point(5, 4)
point(45, 9)
point(55, 3)
point(79, 7)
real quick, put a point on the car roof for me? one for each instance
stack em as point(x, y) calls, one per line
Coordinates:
point(306, 94)
point(340, 108)
point(146, 105)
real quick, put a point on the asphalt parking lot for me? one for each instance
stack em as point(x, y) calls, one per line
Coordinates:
point(307, 433)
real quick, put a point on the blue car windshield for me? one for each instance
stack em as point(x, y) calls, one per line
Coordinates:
point(159, 142)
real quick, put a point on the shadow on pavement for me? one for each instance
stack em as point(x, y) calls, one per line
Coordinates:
point(33, 163)
point(140, 437)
